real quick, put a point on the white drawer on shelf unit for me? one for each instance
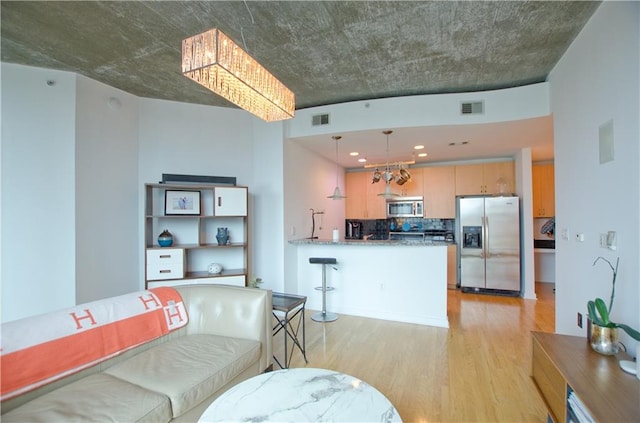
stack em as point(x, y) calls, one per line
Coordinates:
point(220, 280)
point(165, 255)
point(172, 282)
point(165, 271)
point(237, 280)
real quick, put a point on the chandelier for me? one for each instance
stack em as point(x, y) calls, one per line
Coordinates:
point(213, 60)
point(400, 177)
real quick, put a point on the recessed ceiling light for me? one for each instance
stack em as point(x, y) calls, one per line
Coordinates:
point(362, 160)
point(418, 147)
point(354, 153)
point(422, 155)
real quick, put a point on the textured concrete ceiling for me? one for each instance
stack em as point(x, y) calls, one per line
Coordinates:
point(326, 51)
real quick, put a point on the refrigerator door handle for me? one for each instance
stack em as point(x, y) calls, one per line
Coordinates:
point(486, 236)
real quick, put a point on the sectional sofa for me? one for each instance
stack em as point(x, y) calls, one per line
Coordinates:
point(159, 355)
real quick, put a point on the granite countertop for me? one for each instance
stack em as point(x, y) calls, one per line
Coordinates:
point(382, 242)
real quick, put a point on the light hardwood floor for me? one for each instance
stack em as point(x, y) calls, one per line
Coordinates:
point(478, 370)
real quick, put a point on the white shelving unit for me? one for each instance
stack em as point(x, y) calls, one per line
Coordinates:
point(195, 245)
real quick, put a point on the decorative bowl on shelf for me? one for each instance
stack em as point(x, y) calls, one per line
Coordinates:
point(215, 268)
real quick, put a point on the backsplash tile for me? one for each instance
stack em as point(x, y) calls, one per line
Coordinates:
point(379, 228)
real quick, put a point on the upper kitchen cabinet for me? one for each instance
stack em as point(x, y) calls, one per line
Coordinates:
point(485, 178)
point(363, 201)
point(543, 190)
point(414, 187)
point(377, 204)
point(439, 187)
point(356, 192)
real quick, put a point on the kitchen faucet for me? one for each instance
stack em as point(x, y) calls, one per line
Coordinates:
point(313, 223)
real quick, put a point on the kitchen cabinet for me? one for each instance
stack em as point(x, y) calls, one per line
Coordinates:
point(452, 266)
point(195, 245)
point(543, 176)
point(363, 201)
point(377, 204)
point(439, 191)
point(485, 178)
point(356, 192)
point(414, 187)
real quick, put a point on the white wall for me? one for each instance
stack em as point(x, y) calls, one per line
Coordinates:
point(267, 208)
point(424, 110)
point(595, 81)
point(107, 191)
point(193, 139)
point(309, 180)
point(38, 198)
point(69, 191)
point(524, 189)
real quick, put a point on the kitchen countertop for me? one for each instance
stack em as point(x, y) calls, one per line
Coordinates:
point(370, 243)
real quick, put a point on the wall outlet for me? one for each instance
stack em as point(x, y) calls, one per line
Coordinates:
point(579, 320)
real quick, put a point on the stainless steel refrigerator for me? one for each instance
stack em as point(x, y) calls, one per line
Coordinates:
point(489, 244)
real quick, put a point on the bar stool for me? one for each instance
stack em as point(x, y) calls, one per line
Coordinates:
point(324, 316)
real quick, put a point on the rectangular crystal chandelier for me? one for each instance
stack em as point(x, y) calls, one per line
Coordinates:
point(213, 60)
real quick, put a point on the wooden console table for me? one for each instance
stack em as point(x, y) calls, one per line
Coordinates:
point(562, 363)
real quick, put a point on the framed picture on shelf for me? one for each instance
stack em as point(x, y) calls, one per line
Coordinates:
point(178, 203)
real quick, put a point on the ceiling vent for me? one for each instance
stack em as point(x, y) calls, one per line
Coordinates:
point(317, 120)
point(472, 108)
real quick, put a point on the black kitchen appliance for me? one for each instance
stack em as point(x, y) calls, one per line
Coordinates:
point(353, 229)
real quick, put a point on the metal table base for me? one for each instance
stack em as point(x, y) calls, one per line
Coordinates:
point(290, 306)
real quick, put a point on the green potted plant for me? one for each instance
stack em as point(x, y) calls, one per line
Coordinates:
point(603, 333)
point(255, 282)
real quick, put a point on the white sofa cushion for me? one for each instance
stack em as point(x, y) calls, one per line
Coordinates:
point(190, 368)
point(98, 397)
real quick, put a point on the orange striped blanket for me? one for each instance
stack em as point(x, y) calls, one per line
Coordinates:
point(38, 350)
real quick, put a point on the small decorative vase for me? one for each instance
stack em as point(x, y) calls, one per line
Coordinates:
point(603, 340)
point(165, 239)
point(222, 236)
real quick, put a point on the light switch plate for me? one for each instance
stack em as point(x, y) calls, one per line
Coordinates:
point(612, 243)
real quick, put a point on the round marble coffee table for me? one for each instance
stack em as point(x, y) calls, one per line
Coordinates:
point(302, 395)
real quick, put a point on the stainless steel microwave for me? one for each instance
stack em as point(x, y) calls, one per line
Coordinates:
point(405, 207)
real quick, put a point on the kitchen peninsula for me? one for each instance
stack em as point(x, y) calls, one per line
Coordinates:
point(404, 281)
